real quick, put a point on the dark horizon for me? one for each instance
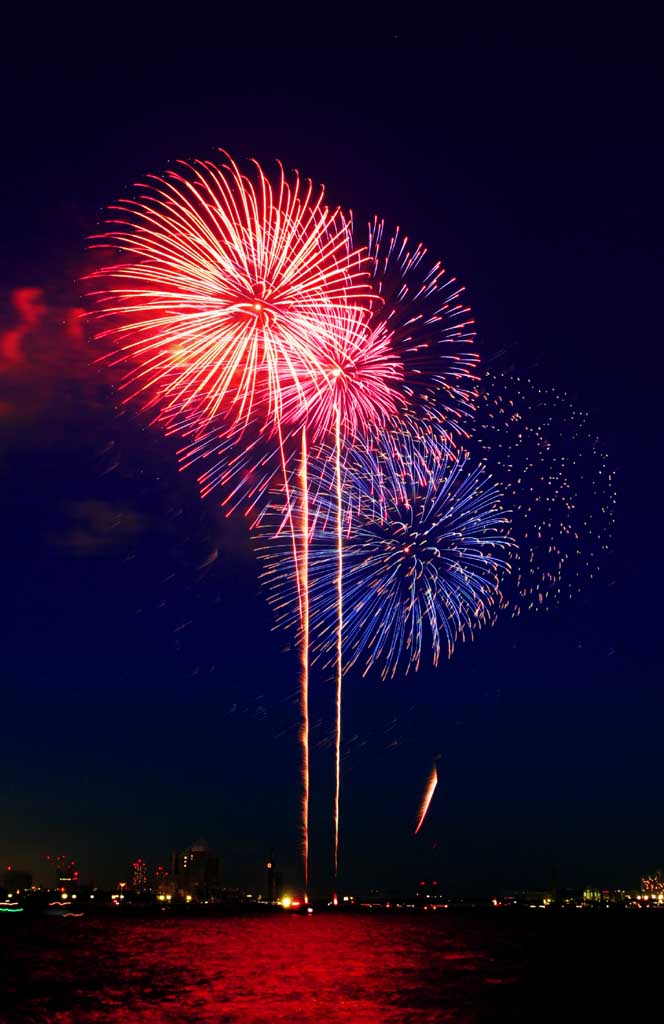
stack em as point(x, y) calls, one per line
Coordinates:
point(147, 699)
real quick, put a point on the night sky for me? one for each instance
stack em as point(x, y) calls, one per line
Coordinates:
point(146, 700)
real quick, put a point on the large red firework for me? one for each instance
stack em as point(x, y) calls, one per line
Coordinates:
point(215, 303)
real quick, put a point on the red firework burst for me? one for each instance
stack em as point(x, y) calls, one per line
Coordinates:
point(360, 378)
point(216, 301)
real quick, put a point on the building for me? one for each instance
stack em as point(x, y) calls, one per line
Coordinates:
point(608, 896)
point(196, 871)
point(139, 875)
point(274, 882)
point(163, 882)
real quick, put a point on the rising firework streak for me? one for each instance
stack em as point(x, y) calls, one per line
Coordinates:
point(432, 782)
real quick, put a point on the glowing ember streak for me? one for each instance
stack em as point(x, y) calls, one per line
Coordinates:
point(426, 799)
point(304, 685)
point(340, 624)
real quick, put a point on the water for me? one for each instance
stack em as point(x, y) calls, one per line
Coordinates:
point(355, 969)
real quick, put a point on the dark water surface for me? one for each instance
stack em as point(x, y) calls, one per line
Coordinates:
point(352, 968)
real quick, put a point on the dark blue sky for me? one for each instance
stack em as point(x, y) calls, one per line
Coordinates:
point(145, 700)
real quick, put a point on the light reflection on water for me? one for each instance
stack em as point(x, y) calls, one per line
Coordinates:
point(355, 969)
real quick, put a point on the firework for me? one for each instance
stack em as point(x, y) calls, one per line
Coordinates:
point(222, 279)
point(426, 544)
point(431, 328)
point(360, 379)
point(557, 481)
point(432, 782)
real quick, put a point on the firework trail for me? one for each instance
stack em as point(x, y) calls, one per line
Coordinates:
point(340, 648)
point(557, 482)
point(304, 655)
point(432, 782)
point(216, 307)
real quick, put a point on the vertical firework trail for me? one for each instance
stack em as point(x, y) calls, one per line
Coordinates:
point(340, 623)
point(304, 682)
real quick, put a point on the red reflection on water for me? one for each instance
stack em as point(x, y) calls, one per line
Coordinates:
point(282, 968)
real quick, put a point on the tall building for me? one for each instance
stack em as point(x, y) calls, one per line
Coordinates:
point(274, 882)
point(139, 875)
point(196, 871)
point(163, 881)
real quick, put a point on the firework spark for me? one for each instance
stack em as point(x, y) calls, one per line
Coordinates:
point(558, 482)
point(432, 782)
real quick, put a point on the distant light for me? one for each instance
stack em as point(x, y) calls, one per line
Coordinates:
point(65, 896)
point(286, 902)
point(188, 899)
point(268, 865)
point(310, 910)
